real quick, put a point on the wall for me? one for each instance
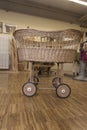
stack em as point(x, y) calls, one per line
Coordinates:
point(22, 21)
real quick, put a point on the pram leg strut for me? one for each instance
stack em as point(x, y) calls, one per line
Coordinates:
point(29, 88)
point(62, 90)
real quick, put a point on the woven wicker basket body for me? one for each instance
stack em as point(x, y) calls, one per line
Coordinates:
point(47, 46)
point(46, 55)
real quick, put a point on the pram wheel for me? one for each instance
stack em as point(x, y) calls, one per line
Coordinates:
point(56, 81)
point(29, 89)
point(36, 80)
point(63, 90)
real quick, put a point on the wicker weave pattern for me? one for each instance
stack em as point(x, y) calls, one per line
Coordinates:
point(46, 55)
point(52, 39)
point(43, 46)
point(20, 34)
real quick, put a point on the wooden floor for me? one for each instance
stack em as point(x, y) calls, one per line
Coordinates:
point(45, 111)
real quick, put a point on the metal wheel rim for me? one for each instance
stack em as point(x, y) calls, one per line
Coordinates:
point(63, 91)
point(36, 80)
point(55, 82)
point(29, 89)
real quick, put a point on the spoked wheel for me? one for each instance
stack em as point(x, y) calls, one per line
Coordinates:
point(56, 81)
point(29, 89)
point(36, 80)
point(63, 91)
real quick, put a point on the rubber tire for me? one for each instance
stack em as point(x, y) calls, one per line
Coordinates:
point(25, 87)
point(59, 88)
point(35, 78)
point(56, 84)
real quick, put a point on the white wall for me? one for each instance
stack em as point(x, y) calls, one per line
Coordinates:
point(22, 21)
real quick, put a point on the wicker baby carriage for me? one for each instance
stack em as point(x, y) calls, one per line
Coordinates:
point(46, 47)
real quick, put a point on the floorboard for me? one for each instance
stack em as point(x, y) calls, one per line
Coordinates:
point(44, 111)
